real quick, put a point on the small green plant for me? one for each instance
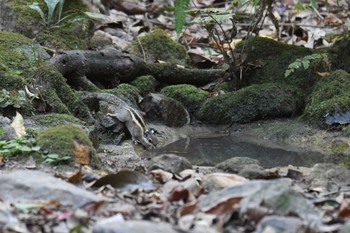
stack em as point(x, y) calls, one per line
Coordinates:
point(54, 11)
point(28, 146)
point(7, 100)
point(305, 62)
point(55, 158)
point(18, 146)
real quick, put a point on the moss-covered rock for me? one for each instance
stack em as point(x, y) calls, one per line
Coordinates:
point(255, 102)
point(18, 56)
point(339, 54)
point(61, 139)
point(330, 95)
point(190, 96)
point(69, 34)
point(55, 119)
point(127, 92)
point(145, 84)
point(157, 45)
point(271, 60)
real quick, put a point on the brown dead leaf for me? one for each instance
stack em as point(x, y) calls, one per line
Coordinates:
point(322, 74)
point(2, 161)
point(226, 206)
point(124, 179)
point(344, 210)
point(82, 153)
point(179, 193)
point(76, 177)
point(130, 7)
point(161, 175)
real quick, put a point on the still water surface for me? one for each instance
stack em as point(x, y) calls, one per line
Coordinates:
point(208, 151)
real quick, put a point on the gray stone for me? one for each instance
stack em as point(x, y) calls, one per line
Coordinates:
point(9, 131)
point(328, 175)
point(35, 186)
point(236, 164)
point(278, 224)
point(169, 162)
point(252, 171)
point(133, 226)
point(167, 110)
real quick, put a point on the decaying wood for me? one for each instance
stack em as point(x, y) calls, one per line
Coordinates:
point(109, 67)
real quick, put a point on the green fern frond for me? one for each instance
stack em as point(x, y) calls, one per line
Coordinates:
point(180, 15)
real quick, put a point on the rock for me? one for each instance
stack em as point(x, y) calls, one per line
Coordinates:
point(252, 171)
point(236, 164)
point(116, 157)
point(169, 162)
point(190, 96)
point(9, 131)
point(132, 226)
point(328, 175)
point(67, 140)
point(35, 186)
point(258, 101)
point(171, 112)
point(218, 181)
point(279, 198)
point(278, 224)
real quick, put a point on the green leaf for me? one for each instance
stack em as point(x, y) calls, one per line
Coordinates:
point(52, 156)
point(51, 6)
point(180, 15)
point(306, 64)
point(1, 131)
point(36, 148)
point(314, 3)
point(25, 148)
point(35, 6)
point(97, 16)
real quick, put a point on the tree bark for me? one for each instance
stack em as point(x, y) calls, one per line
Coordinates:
point(109, 66)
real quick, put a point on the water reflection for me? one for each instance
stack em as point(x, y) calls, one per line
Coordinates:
point(209, 151)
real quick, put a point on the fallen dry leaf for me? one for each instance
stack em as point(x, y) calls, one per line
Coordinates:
point(76, 177)
point(82, 153)
point(18, 125)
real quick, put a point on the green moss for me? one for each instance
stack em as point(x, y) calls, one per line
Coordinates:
point(145, 84)
point(330, 95)
point(60, 140)
point(69, 34)
point(190, 96)
point(18, 56)
point(157, 45)
point(55, 119)
point(127, 92)
point(272, 59)
point(252, 103)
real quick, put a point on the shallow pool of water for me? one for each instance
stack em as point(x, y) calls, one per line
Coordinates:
point(208, 151)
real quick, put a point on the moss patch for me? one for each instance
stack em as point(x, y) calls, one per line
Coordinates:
point(55, 119)
point(255, 102)
point(60, 140)
point(145, 84)
point(330, 95)
point(190, 96)
point(70, 34)
point(272, 59)
point(18, 56)
point(157, 45)
point(127, 92)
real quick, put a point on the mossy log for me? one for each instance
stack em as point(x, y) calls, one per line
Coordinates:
point(108, 67)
